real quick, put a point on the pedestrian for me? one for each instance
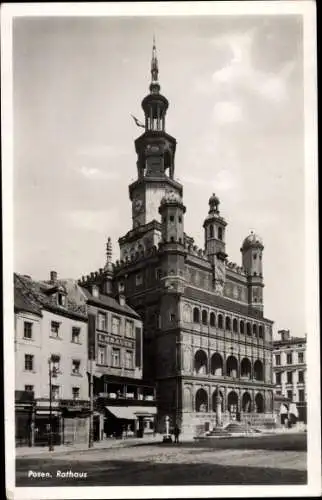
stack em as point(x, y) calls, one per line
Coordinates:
point(176, 433)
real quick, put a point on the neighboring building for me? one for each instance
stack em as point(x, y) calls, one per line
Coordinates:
point(289, 367)
point(205, 334)
point(49, 326)
point(123, 401)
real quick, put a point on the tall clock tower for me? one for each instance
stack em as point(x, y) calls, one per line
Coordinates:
point(155, 150)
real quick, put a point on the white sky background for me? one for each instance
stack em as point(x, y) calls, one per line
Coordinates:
point(235, 87)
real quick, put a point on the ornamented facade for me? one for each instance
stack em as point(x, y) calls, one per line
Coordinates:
point(205, 336)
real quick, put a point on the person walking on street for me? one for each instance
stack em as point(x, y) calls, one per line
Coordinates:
point(176, 433)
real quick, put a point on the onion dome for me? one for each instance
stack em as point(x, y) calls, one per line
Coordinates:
point(252, 240)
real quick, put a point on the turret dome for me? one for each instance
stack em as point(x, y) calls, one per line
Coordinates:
point(171, 197)
point(252, 240)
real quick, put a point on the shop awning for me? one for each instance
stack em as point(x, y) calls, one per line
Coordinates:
point(121, 412)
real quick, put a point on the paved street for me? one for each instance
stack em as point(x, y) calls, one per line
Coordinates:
point(275, 459)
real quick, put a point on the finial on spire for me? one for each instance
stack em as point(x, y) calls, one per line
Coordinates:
point(154, 62)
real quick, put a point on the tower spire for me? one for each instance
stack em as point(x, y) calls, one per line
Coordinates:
point(108, 264)
point(154, 63)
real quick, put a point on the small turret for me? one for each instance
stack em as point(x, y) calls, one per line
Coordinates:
point(172, 212)
point(215, 246)
point(252, 254)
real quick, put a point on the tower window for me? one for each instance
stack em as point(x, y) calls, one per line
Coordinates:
point(171, 218)
point(255, 256)
point(211, 231)
point(180, 218)
point(220, 233)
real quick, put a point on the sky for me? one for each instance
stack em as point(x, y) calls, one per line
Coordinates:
point(235, 87)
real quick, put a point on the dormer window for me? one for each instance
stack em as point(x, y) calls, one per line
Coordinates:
point(61, 299)
point(95, 291)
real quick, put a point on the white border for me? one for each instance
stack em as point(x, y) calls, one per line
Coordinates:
point(308, 11)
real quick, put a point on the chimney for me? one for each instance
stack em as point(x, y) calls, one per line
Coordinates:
point(285, 334)
point(53, 276)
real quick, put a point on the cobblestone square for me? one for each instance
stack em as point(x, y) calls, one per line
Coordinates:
point(275, 459)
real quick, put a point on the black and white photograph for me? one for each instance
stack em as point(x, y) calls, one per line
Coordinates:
point(160, 256)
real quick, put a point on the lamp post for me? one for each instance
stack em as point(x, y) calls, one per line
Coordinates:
point(90, 438)
point(51, 374)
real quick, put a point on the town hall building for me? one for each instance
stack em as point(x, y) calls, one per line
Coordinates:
point(207, 345)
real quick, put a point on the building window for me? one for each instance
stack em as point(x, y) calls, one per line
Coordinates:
point(235, 325)
point(228, 323)
point(101, 355)
point(158, 274)
point(290, 395)
point(289, 377)
point(242, 327)
point(179, 218)
point(301, 377)
point(172, 317)
point(260, 331)
point(115, 325)
point(301, 396)
point(75, 393)
point(196, 315)
point(29, 388)
point(138, 279)
point(61, 299)
point(289, 358)
point(220, 321)
point(211, 231)
point(278, 377)
point(29, 362)
point(55, 363)
point(116, 354)
point(248, 329)
point(278, 393)
point(54, 329)
point(255, 256)
point(101, 321)
point(212, 319)
point(129, 360)
point(204, 317)
point(254, 329)
point(76, 335)
point(171, 218)
point(277, 359)
point(129, 328)
point(55, 391)
point(220, 233)
point(300, 357)
point(76, 366)
point(27, 330)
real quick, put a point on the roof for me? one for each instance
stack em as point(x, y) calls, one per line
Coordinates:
point(22, 304)
point(290, 341)
point(223, 302)
point(108, 302)
point(32, 295)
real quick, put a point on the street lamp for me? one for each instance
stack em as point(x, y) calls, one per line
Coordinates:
point(52, 373)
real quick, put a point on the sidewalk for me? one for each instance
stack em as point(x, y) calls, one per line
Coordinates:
point(37, 451)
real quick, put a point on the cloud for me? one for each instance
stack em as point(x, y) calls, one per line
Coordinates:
point(93, 220)
point(227, 112)
point(99, 151)
point(98, 173)
point(223, 180)
point(239, 73)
